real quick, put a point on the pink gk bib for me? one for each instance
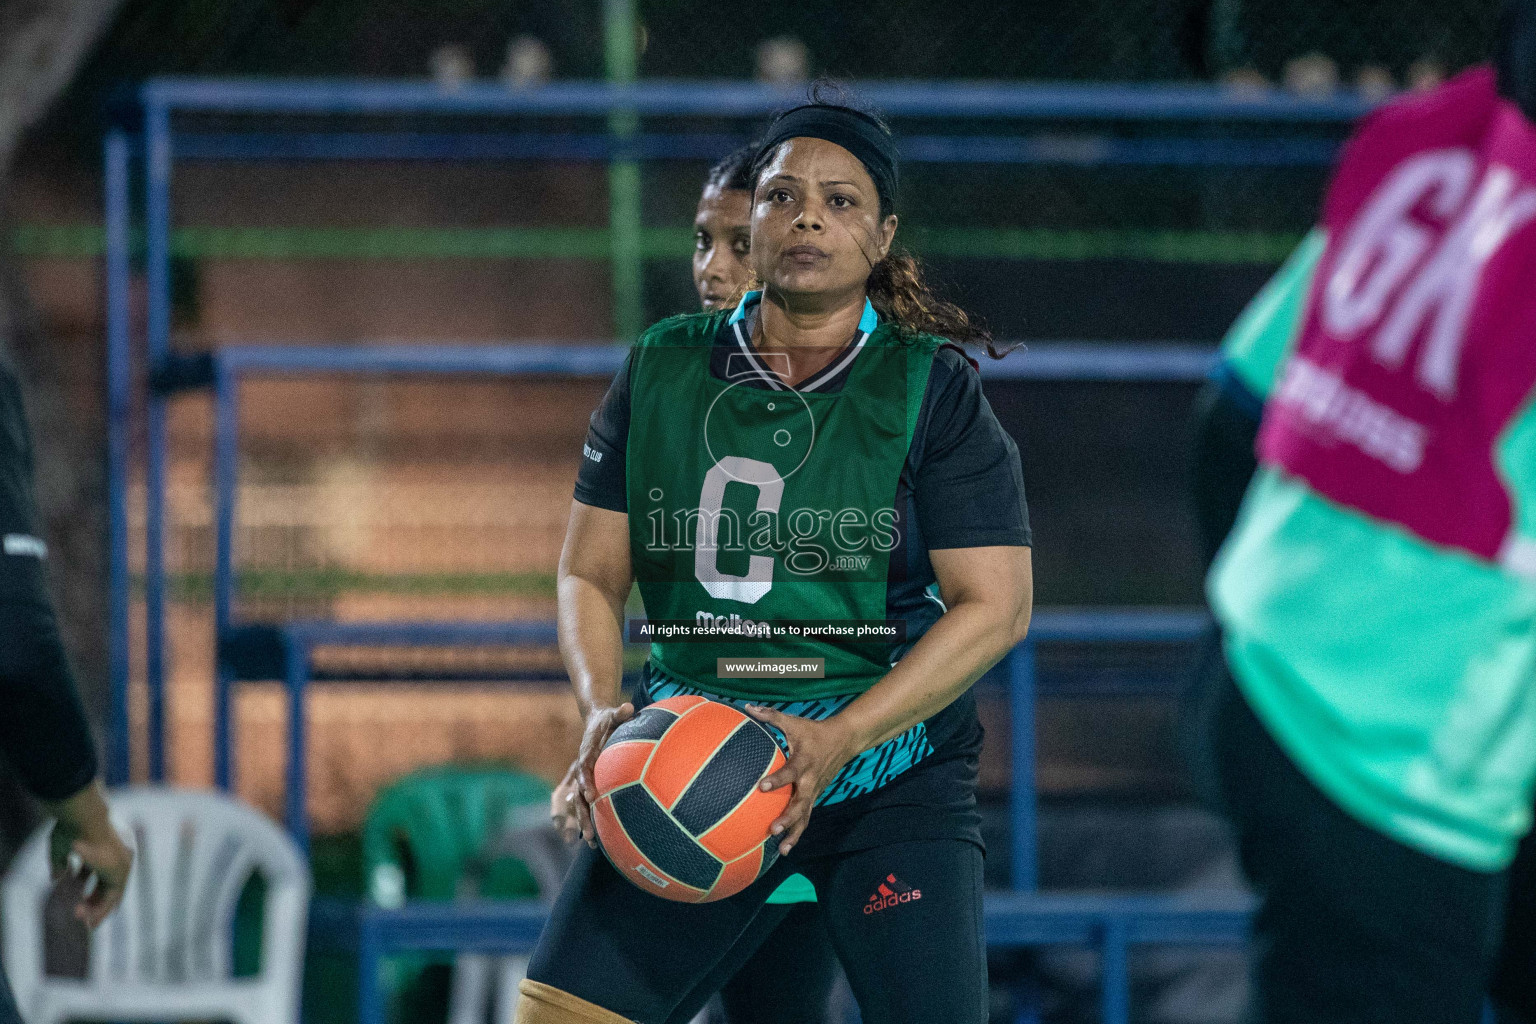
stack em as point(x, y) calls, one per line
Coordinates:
point(1419, 342)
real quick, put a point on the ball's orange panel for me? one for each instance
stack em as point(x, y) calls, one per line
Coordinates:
point(621, 764)
point(687, 747)
point(631, 863)
point(677, 705)
point(738, 874)
point(747, 825)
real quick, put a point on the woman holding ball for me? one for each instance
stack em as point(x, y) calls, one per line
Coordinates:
point(829, 415)
point(751, 981)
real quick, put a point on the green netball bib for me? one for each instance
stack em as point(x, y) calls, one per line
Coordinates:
point(758, 505)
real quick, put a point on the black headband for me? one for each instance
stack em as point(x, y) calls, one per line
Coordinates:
point(857, 132)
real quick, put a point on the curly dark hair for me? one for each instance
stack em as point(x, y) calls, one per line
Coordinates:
point(900, 293)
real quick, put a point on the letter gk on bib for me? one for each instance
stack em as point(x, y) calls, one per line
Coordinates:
point(1419, 343)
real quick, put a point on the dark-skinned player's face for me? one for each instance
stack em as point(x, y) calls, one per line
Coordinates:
point(816, 224)
point(722, 240)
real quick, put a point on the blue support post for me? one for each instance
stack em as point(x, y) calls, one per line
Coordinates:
point(1021, 694)
point(157, 152)
point(226, 423)
point(119, 427)
point(296, 678)
point(223, 726)
point(370, 1001)
point(1026, 1000)
point(1115, 963)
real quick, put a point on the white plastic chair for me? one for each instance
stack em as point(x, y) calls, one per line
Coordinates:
point(479, 978)
point(165, 954)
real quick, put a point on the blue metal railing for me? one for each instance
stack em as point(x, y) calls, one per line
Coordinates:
point(998, 100)
point(1082, 150)
point(297, 642)
point(1045, 362)
point(1026, 918)
point(1112, 923)
point(989, 101)
point(119, 426)
point(162, 146)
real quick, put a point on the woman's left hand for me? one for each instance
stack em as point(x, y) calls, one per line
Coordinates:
point(817, 752)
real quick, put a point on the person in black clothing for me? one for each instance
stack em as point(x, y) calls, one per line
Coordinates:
point(882, 816)
point(722, 232)
point(787, 979)
point(43, 731)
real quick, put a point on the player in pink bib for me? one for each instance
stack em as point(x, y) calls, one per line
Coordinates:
point(1376, 745)
point(1416, 353)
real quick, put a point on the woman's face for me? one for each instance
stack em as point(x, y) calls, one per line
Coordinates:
point(816, 224)
point(722, 239)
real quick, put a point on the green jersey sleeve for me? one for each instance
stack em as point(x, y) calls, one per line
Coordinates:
point(1261, 338)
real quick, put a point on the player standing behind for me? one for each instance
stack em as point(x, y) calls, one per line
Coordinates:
point(755, 992)
point(722, 233)
point(43, 732)
point(718, 409)
point(1377, 595)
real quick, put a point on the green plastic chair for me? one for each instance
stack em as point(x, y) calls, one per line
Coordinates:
point(425, 832)
point(423, 839)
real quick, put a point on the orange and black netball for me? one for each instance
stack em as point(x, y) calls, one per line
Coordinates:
point(679, 812)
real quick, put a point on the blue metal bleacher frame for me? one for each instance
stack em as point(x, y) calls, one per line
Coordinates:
point(296, 641)
point(1113, 924)
point(1023, 917)
point(161, 147)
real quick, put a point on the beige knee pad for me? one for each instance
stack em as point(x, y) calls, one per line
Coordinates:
point(538, 1003)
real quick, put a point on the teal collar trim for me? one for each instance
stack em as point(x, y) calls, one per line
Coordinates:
point(870, 320)
point(867, 322)
point(741, 307)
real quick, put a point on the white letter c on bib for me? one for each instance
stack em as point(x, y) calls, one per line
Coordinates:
point(751, 588)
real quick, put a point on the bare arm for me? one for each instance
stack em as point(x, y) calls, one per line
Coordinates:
point(593, 583)
point(989, 593)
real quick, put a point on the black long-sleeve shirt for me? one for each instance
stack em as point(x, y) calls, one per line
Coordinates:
point(43, 729)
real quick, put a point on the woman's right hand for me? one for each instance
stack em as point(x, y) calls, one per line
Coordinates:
point(600, 725)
